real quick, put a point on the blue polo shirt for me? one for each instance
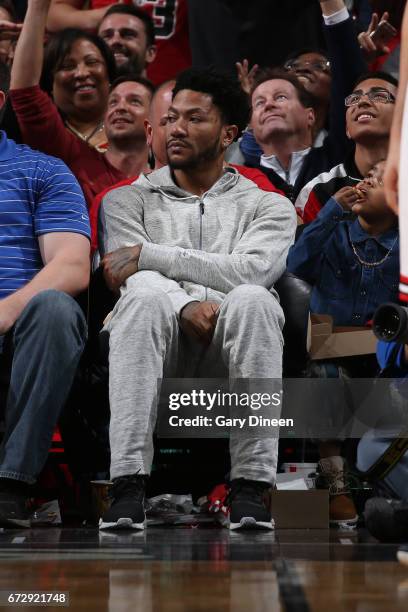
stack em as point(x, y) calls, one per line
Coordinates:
point(38, 195)
point(343, 287)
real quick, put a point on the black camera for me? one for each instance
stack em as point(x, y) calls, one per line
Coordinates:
point(390, 323)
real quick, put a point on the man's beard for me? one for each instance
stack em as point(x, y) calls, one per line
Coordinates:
point(191, 163)
point(134, 65)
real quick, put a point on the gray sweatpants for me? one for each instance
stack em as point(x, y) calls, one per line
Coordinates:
point(146, 344)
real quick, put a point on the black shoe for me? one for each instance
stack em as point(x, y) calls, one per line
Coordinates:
point(246, 506)
point(14, 511)
point(127, 510)
point(387, 519)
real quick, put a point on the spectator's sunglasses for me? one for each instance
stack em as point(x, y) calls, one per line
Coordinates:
point(375, 95)
point(317, 66)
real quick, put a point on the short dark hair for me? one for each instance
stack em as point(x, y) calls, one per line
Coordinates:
point(273, 74)
point(225, 91)
point(60, 44)
point(134, 78)
point(295, 54)
point(8, 6)
point(377, 74)
point(134, 11)
point(4, 78)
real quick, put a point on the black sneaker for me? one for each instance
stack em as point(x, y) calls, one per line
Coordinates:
point(14, 499)
point(387, 519)
point(246, 506)
point(127, 509)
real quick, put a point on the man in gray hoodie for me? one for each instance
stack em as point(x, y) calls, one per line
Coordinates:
point(195, 249)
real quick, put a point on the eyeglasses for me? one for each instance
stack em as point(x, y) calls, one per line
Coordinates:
point(295, 66)
point(377, 96)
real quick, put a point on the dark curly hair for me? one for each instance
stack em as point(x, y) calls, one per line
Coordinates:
point(294, 55)
point(226, 94)
point(60, 44)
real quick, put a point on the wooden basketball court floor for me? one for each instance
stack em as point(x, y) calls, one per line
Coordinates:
point(205, 569)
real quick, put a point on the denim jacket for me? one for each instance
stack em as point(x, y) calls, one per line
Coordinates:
point(342, 287)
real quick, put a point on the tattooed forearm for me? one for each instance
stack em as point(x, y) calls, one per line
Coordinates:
point(120, 264)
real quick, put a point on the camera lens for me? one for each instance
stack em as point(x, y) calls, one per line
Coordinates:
point(390, 323)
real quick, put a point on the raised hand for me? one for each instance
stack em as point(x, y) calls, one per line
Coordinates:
point(9, 30)
point(347, 197)
point(246, 76)
point(374, 41)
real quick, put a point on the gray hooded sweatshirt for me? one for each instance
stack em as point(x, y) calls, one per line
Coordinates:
point(200, 248)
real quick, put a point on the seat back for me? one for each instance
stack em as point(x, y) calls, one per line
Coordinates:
point(294, 294)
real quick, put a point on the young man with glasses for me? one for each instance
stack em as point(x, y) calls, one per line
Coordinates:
point(369, 113)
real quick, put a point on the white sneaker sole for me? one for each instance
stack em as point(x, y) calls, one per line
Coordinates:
point(402, 557)
point(122, 523)
point(248, 522)
point(348, 523)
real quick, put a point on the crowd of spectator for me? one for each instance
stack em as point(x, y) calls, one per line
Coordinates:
point(190, 159)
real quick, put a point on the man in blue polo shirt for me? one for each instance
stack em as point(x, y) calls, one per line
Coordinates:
point(44, 261)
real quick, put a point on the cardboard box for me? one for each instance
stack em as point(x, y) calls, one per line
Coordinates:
point(300, 509)
point(324, 341)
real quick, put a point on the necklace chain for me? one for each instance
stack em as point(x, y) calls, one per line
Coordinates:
point(370, 264)
point(86, 139)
